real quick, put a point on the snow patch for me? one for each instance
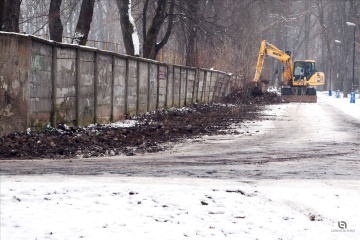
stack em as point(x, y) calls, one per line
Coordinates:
point(134, 35)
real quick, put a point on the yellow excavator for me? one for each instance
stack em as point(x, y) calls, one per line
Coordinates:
point(299, 77)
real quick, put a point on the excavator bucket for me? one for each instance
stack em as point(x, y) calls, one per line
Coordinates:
point(261, 88)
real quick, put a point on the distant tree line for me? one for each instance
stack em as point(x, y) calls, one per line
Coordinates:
point(224, 34)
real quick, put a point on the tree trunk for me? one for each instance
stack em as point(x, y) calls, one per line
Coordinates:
point(55, 25)
point(83, 26)
point(11, 15)
point(326, 37)
point(191, 45)
point(127, 26)
point(1, 13)
point(150, 47)
point(307, 29)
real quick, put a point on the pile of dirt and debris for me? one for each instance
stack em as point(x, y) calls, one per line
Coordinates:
point(245, 97)
point(148, 133)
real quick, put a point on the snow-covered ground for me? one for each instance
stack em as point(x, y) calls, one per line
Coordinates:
point(108, 207)
point(351, 109)
point(116, 207)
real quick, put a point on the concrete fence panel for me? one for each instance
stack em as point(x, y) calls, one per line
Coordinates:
point(153, 87)
point(170, 87)
point(104, 89)
point(177, 82)
point(119, 95)
point(213, 83)
point(86, 101)
point(40, 84)
point(132, 87)
point(201, 86)
point(143, 87)
point(162, 86)
point(190, 84)
point(208, 75)
point(65, 85)
point(183, 83)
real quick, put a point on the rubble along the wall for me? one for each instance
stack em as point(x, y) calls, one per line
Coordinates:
point(44, 82)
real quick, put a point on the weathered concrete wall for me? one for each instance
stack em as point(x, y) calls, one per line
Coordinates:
point(43, 82)
point(15, 75)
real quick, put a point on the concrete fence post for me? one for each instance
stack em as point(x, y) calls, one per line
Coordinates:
point(186, 86)
point(209, 88)
point(96, 79)
point(167, 87)
point(203, 95)
point(112, 87)
point(196, 85)
point(77, 86)
point(53, 86)
point(157, 85)
point(137, 85)
point(173, 85)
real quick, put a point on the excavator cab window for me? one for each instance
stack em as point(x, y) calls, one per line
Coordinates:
point(309, 70)
point(299, 71)
point(303, 69)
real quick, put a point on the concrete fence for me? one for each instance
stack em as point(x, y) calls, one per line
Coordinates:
point(44, 82)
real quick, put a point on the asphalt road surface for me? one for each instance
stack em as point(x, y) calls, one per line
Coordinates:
point(290, 141)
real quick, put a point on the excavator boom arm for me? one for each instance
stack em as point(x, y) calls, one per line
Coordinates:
point(267, 49)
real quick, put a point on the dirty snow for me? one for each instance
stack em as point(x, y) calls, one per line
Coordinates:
point(134, 35)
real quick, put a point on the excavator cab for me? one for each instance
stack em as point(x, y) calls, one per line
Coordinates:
point(303, 70)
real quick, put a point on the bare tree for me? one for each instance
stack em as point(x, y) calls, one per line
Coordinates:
point(164, 10)
point(155, 15)
point(55, 25)
point(84, 22)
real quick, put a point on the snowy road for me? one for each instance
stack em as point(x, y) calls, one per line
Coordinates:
point(293, 175)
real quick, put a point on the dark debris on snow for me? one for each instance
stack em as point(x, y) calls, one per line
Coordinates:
point(150, 134)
